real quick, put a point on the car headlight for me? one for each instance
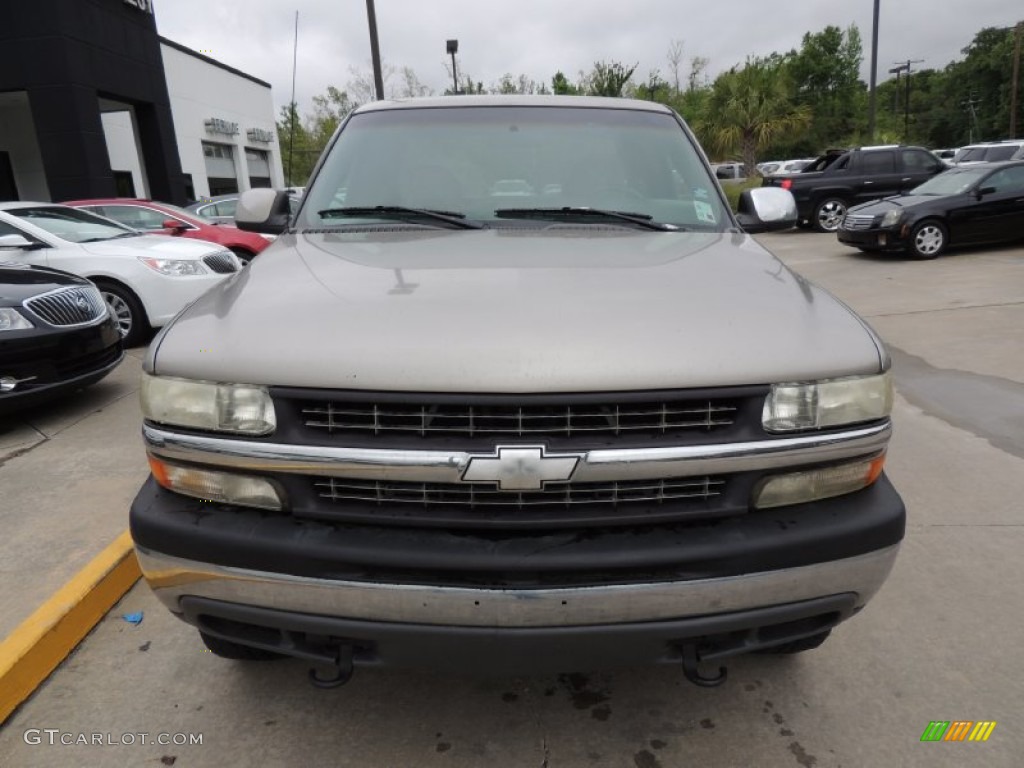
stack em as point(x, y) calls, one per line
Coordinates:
point(239, 408)
point(12, 320)
point(174, 267)
point(829, 403)
point(892, 218)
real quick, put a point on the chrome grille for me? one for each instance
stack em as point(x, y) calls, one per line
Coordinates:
point(439, 419)
point(858, 221)
point(471, 495)
point(79, 305)
point(223, 262)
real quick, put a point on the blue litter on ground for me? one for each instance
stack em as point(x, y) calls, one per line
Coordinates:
point(133, 618)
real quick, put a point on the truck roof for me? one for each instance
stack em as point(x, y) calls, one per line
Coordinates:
point(583, 102)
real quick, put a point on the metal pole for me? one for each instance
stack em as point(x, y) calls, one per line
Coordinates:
point(874, 73)
point(455, 77)
point(906, 109)
point(291, 136)
point(378, 77)
point(1015, 81)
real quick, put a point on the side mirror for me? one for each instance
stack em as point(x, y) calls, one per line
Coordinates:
point(985, 191)
point(766, 209)
point(263, 210)
point(174, 225)
point(19, 242)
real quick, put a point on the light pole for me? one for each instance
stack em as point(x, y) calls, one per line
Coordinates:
point(378, 78)
point(874, 73)
point(453, 48)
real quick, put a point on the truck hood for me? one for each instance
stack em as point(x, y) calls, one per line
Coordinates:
point(564, 309)
point(155, 246)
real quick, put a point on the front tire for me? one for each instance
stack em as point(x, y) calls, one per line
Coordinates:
point(829, 214)
point(928, 239)
point(127, 311)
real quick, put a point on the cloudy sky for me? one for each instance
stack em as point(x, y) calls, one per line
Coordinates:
point(538, 37)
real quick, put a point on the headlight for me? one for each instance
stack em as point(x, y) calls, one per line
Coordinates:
point(210, 485)
point(830, 403)
point(12, 320)
point(238, 408)
point(174, 267)
point(815, 484)
point(892, 218)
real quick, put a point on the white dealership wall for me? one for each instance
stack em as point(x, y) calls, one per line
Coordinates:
point(204, 94)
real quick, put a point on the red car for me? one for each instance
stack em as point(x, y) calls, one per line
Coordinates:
point(165, 219)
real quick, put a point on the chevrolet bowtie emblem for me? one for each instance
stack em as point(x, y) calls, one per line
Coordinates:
point(522, 468)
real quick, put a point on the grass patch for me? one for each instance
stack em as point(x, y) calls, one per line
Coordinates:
point(733, 191)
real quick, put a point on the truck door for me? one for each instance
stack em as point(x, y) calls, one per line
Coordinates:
point(877, 175)
point(917, 167)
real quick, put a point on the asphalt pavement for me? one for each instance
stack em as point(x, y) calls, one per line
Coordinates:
point(941, 641)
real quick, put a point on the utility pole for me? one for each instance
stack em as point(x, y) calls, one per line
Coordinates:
point(378, 78)
point(970, 106)
point(1015, 81)
point(874, 73)
point(905, 67)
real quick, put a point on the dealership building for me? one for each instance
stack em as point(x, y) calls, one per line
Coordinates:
point(94, 103)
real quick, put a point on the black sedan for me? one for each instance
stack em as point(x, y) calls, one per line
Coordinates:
point(962, 206)
point(56, 335)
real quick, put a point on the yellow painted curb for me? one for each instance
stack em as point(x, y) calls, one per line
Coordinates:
point(32, 651)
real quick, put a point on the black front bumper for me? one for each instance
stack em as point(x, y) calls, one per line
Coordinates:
point(873, 239)
point(54, 361)
point(788, 537)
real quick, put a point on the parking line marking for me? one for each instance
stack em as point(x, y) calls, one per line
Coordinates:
point(34, 649)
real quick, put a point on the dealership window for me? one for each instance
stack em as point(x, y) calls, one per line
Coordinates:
point(258, 163)
point(124, 183)
point(220, 168)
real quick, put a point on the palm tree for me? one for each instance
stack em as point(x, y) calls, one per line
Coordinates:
point(748, 109)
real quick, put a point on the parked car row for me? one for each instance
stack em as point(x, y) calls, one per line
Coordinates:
point(81, 280)
point(898, 198)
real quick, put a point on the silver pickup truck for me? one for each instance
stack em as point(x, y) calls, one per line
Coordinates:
point(515, 391)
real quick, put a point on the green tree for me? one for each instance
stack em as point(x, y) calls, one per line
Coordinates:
point(748, 109)
point(825, 78)
point(298, 153)
point(560, 85)
point(608, 79)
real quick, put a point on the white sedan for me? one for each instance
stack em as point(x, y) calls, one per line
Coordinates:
point(145, 279)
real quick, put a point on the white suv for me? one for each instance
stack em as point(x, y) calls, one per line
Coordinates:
point(145, 279)
point(989, 152)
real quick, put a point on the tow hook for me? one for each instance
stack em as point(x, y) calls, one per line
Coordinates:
point(342, 670)
point(692, 673)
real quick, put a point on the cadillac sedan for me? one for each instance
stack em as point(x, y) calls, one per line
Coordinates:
point(971, 205)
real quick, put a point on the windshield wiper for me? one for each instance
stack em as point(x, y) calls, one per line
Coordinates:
point(641, 220)
point(451, 218)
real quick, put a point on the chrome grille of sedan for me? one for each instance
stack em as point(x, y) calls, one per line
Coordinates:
point(440, 419)
point(470, 495)
point(222, 262)
point(78, 305)
point(858, 221)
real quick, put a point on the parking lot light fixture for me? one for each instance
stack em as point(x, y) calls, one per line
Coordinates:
point(453, 48)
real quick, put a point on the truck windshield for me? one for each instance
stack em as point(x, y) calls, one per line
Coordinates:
point(477, 161)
